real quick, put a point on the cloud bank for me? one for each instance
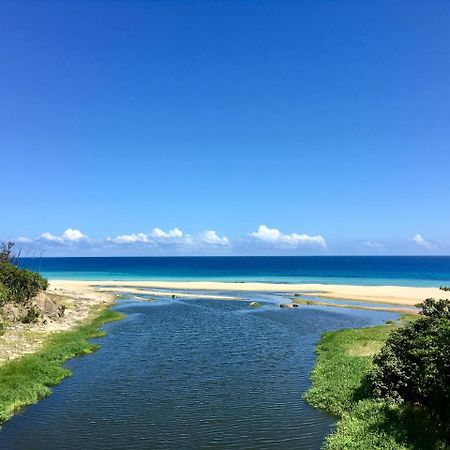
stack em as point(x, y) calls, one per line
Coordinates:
point(263, 241)
point(174, 241)
point(275, 237)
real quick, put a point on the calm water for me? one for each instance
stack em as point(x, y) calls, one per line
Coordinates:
point(190, 375)
point(373, 270)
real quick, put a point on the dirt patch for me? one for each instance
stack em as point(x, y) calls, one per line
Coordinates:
point(57, 310)
point(369, 348)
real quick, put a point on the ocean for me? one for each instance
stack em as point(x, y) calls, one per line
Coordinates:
point(356, 270)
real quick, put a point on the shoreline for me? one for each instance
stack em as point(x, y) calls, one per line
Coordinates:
point(59, 345)
point(28, 378)
point(396, 295)
point(361, 420)
point(80, 305)
point(81, 297)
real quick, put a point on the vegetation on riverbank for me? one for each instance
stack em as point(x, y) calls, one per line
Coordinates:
point(27, 380)
point(342, 384)
point(18, 289)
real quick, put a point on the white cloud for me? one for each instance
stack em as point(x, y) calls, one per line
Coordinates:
point(212, 238)
point(50, 237)
point(173, 241)
point(421, 242)
point(130, 238)
point(70, 235)
point(73, 235)
point(171, 234)
point(373, 244)
point(24, 240)
point(275, 237)
point(155, 237)
point(174, 238)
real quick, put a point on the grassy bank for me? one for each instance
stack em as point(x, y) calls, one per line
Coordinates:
point(26, 380)
point(340, 387)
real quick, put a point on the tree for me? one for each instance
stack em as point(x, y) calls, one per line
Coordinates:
point(6, 252)
point(413, 367)
point(17, 285)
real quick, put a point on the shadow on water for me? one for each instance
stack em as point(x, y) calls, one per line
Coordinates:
point(189, 374)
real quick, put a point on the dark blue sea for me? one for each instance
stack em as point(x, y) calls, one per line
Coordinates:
point(360, 270)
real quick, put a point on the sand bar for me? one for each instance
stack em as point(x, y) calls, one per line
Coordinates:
point(147, 291)
point(400, 295)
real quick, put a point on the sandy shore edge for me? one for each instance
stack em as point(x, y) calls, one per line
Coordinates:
point(82, 297)
point(81, 304)
point(399, 295)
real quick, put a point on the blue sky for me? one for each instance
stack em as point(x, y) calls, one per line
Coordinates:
point(277, 127)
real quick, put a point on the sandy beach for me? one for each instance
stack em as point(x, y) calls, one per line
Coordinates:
point(81, 297)
point(398, 295)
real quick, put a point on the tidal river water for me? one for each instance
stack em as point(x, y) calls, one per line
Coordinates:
point(193, 374)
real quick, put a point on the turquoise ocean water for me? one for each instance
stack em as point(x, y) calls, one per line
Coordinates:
point(374, 270)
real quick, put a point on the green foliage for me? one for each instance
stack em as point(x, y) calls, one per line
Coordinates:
point(340, 386)
point(4, 294)
point(21, 284)
point(31, 315)
point(6, 252)
point(378, 425)
point(342, 361)
point(444, 288)
point(414, 365)
point(26, 380)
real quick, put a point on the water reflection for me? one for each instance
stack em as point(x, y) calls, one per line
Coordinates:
point(188, 374)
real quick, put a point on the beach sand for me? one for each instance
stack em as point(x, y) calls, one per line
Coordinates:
point(398, 295)
point(82, 297)
point(80, 303)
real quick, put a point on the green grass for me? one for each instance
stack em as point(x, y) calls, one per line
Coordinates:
point(340, 387)
point(27, 380)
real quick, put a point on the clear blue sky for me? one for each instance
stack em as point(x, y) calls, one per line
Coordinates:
point(322, 118)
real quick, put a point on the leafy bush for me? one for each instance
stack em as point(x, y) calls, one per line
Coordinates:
point(4, 294)
point(21, 284)
point(31, 316)
point(413, 367)
point(6, 252)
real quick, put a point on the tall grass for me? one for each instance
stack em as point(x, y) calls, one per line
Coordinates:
point(340, 386)
point(27, 380)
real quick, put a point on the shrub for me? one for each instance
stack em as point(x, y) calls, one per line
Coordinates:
point(4, 294)
point(21, 284)
point(413, 367)
point(31, 316)
point(6, 252)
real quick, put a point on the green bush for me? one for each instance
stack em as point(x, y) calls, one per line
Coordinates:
point(31, 315)
point(6, 252)
point(413, 367)
point(21, 285)
point(4, 294)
